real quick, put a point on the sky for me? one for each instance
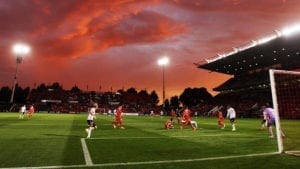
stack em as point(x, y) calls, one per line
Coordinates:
point(115, 44)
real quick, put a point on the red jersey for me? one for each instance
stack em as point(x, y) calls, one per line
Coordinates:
point(220, 116)
point(187, 115)
point(31, 109)
point(119, 112)
point(168, 124)
point(118, 118)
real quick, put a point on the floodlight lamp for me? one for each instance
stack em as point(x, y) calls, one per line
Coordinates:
point(21, 49)
point(291, 30)
point(163, 61)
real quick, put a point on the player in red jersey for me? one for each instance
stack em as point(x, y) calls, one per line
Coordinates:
point(30, 111)
point(186, 119)
point(169, 124)
point(118, 118)
point(220, 119)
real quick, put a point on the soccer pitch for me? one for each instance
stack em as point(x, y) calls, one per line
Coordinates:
point(58, 141)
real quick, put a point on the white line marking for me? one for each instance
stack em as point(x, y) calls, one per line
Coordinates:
point(86, 154)
point(184, 160)
point(149, 162)
point(208, 135)
point(295, 153)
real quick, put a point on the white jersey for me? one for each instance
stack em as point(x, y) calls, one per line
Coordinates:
point(23, 109)
point(194, 123)
point(231, 113)
point(92, 114)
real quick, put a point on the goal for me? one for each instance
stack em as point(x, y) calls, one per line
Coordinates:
point(285, 87)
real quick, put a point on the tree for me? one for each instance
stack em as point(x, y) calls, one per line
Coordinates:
point(131, 91)
point(121, 91)
point(5, 94)
point(193, 97)
point(56, 86)
point(154, 97)
point(41, 88)
point(21, 94)
point(174, 102)
point(167, 105)
point(75, 89)
point(143, 93)
point(130, 96)
point(144, 97)
point(26, 93)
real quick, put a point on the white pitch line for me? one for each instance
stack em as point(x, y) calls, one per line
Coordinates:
point(208, 135)
point(149, 162)
point(184, 160)
point(48, 167)
point(86, 154)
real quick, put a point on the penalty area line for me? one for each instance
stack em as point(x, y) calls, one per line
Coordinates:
point(166, 137)
point(183, 160)
point(86, 153)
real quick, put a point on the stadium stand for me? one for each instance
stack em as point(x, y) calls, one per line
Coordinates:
point(249, 88)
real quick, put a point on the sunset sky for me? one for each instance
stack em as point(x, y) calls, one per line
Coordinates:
point(116, 43)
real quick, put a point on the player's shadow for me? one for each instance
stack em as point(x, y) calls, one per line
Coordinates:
point(72, 154)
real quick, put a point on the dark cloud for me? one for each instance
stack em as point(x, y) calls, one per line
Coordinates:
point(116, 43)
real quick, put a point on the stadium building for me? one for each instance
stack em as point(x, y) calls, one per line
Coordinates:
point(249, 66)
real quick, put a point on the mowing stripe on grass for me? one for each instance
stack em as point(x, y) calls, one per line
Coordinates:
point(148, 162)
point(86, 153)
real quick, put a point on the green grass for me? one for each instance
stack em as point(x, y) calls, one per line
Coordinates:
point(54, 140)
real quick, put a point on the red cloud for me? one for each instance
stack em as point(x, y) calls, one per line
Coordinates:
point(94, 32)
point(72, 30)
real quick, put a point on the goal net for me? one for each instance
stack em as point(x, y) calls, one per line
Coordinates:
point(285, 87)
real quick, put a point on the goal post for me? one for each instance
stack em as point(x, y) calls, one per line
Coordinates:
point(275, 105)
point(285, 88)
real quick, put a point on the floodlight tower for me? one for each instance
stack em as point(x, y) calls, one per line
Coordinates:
point(20, 50)
point(163, 62)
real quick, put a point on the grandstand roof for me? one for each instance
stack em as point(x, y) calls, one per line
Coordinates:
point(280, 52)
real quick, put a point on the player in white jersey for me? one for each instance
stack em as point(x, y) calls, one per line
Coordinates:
point(231, 114)
point(22, 112)
point(90, 120)
point(194, 123)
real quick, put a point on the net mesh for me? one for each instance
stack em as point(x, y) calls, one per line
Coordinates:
point(288, 94)
point(287, 86)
